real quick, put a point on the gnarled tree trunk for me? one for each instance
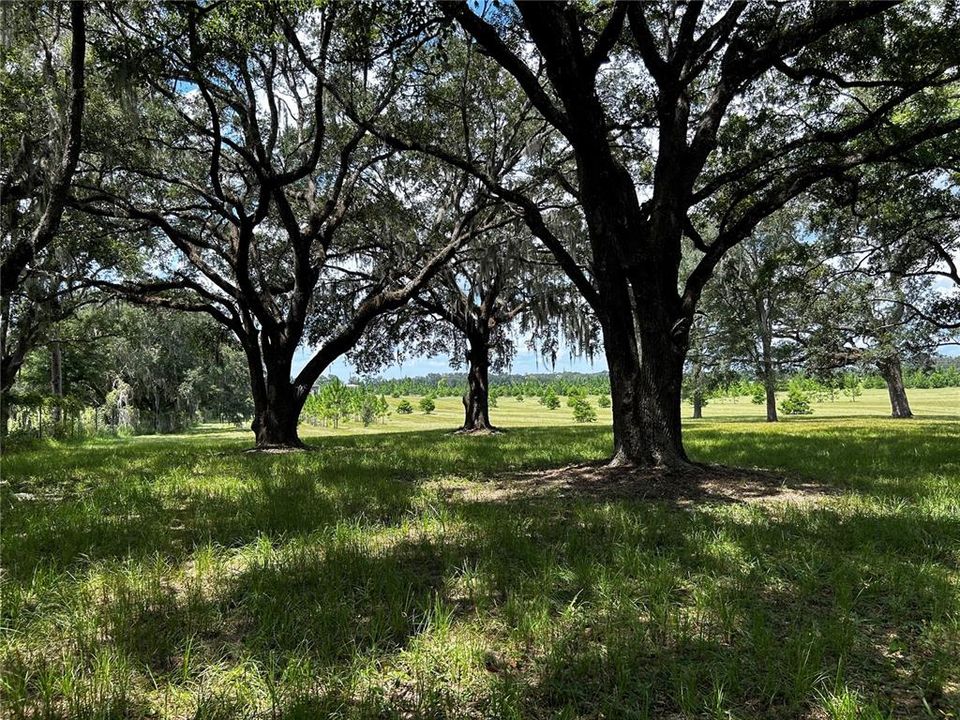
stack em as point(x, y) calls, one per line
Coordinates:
point(892, 373)
point(276, 401)
point(645, 361)
point(276, 416)
point(476, 401)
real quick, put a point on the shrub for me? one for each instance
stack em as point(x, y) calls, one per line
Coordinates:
point(604, 401)
point(427, 405)
point(583, 411)
point(797, 402)
point(550, 400)
point(404, 407)
point(759, 396)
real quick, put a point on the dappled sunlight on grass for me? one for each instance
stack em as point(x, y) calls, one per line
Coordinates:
point(179, 577)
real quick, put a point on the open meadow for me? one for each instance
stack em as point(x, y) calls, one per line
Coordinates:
point(381, 575)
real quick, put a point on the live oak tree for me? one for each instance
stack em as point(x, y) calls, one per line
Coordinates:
point(256, 201)
point(494, 292)
point(909, 225)
point(862, 313)
point(760, 285)
point(674, 112)
point(42, 81)
point(503, 285)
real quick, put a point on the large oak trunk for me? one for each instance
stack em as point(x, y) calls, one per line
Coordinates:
point(276, 402)
point(892, 373)
point(645, 381)
point(476, 401)
point(276, 417)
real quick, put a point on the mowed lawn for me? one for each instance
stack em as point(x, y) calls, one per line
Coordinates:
point(177, 577)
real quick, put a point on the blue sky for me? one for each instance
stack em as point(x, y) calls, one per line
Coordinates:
point(525, 362)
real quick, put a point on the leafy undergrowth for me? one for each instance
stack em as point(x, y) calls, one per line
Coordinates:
point(376, 578)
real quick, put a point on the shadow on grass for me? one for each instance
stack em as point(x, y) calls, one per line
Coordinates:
point(599, 605)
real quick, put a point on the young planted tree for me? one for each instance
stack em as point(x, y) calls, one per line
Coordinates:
point(264, 207)
point(673, 112)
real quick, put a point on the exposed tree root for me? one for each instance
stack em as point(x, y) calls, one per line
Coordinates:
point(278, 449)
point(690, 484)
point(479, 431)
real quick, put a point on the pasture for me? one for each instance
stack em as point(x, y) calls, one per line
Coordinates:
point(385, 574)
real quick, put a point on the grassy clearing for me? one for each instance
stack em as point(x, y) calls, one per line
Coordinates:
point(175, 577)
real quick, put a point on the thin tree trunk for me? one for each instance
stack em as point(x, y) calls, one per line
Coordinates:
point(892, 373)
point(697, 378)
point(476, 401)
point(56, 381)
point(4, 415)
point(767, 367)
point(770, 388)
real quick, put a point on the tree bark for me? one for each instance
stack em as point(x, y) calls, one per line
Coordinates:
point(476, 401)
point(276, 401)
point(766, 359)
point(892, 373)
point(276, 416)
point(4, 416)
point(770, 388)
point(696, 377)
point(646, 373)
point(56, 381)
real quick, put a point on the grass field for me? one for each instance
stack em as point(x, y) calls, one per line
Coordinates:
point(175, 577)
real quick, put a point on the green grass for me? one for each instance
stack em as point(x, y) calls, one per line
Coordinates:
point(176, 577)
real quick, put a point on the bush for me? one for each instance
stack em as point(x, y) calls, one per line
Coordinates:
point(759, 396)
point(797, 402)
point(550, 400)
point(404, 407)
point(604, 401)
point(583, 411)
point(427, 405)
